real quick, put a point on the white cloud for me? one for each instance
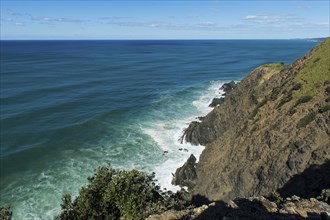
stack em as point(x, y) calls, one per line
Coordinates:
point(208, 25)
point(114, 18)
point(266, 19)
point(193, 16)
point(289, 22)
point(20, 24)
point(54, 19)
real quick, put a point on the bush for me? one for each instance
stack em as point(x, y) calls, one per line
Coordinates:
point(324, 109)
point(275, 93)
point(256, 109)
point(5, 212)
point(296, 86)
point(306, 120)
point(325, 196)
point(285, 100)
point(113, 194)
point(303, 99)
point(276, 197)
point(292, 111)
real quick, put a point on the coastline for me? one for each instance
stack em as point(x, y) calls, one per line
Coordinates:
point(99, 125)
point(168, 140)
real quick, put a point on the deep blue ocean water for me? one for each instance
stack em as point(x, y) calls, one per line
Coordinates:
point(68, 107)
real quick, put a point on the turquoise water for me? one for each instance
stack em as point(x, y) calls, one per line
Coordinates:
point(68, 107)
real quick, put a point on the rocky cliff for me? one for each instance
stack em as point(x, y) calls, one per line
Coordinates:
point(271, 132)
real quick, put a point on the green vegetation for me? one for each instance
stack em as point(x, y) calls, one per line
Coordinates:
point(324, 109)
point(302, 99)
point(118, 194)
point(306, 120)
point(254, 98)
point(275, 93)
point(275, 66)
point(243, 128)
point(259, 105)
point(276, 197)
point(5, 212)
point(296, 86)
point(285, 100)
point(325, 196)
point(292, 111)
point(315, 72)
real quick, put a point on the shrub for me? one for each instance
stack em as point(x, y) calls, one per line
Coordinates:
point(115, 194)
point(292, 111)
point(285, 100)
point(275, 93)
point(5, 212)
point(306, 120)
point(303, 99)
point(276, 197)
point(256, 109)
point(327, 90)
point(296, 86)
point(324, 109)
point(325, 196)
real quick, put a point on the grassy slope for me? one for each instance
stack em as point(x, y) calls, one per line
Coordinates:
point(316, 71)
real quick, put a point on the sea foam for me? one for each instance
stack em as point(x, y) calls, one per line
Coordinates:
point(167, 135)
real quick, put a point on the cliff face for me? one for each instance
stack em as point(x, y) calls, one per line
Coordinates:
point(272, 131)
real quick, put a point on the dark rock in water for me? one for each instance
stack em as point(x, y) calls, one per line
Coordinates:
point(188, 132)
point(201, 118)
point(227, 87)
point(216, 101)
point(186, 175)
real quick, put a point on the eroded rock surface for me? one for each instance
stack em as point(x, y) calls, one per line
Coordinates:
point(271, 132)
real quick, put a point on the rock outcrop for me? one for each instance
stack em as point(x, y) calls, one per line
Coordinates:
point(253, 208)
point(271, 132)
point(216, 101)
point(186, 175)
point(228, 87)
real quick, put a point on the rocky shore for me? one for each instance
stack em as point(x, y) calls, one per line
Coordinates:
point(269, 133)
point(257, 208)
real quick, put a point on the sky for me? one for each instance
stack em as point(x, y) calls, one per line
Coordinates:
point(171, 19)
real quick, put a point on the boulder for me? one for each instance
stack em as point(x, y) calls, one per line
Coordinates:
point(216, 101)
point(228, 87)
point(186, 175)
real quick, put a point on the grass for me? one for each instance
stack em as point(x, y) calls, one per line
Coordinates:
point(315, 72)
point(275, 66)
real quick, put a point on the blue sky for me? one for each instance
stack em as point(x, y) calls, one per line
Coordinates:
point(171, 19)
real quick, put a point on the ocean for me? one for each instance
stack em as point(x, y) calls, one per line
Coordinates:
point(68, 107)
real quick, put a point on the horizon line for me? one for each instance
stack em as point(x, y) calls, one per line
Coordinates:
point(151, 39)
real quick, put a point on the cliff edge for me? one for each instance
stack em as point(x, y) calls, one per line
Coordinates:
point(271, 132)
